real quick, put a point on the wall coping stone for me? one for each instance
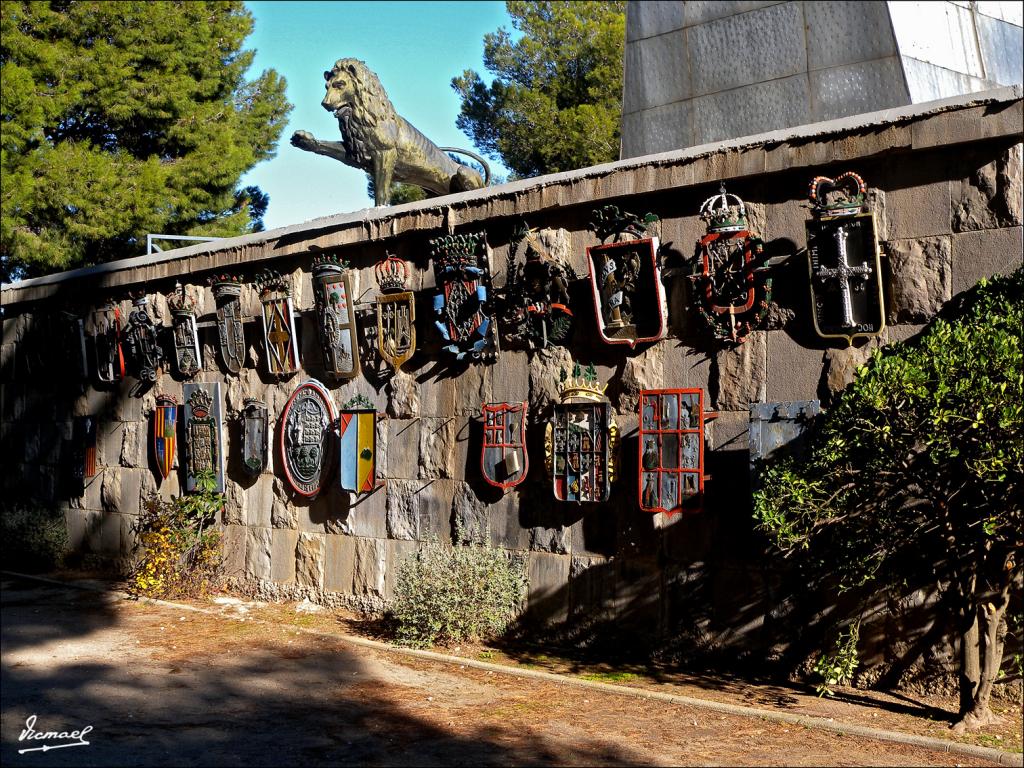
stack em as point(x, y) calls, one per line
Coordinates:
point(965, 118)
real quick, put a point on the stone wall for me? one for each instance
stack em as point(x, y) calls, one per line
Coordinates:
point(946, 190)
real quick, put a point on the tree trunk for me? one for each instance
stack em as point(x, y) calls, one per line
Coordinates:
point(970, 665)
point(988, 650)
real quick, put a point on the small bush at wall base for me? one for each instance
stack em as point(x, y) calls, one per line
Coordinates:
point(446, 595)
point(178, 551)
point(34, 539)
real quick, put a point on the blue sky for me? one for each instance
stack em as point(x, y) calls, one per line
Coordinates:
point(416, 48)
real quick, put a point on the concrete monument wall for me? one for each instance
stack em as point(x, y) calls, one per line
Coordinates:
point(945, 181)
point(700, 72)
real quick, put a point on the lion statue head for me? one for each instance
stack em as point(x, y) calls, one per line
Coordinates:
point(356, 97)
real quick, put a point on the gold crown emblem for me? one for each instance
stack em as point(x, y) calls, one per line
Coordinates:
point(391, 274)
point(581, 385)
point(181, 301)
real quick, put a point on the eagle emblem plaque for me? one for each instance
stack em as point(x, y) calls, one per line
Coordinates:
point(204, 447)
point(629, 300)
point(504, 461)
point(336, 319)
point(843, 260)
point(187, 357)
point(165, 430)
point(396, 313)
point(307, 420)
point(227, 292)
point(581, 439)
point(732, 292)
point(357, 426)
point(141, 341)
point(535, 307)
point(103, 327)
point(279, 338)
point(255, 436)
point(671, 449)
point(462, 311)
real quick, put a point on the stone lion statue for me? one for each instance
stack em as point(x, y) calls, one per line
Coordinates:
point(376, 139)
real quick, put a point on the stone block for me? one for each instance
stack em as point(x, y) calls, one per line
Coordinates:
point(769, 105)
point(397, 553)
point(591, 587)
point(794, 371)
point(739, 374)
point(855, 88)
point(94, 522)
point(984, 253)
point(283, 513)
point(108, 443)
point(848, 33)
point(734, 51)
point(110, 490)
point(233, 542)
point(921, 278)
point(133, 452)
point(282, 554)
point(637, 592)
point(469, 515)
point(965, 125)
point(110, 534)
point(437, 446)
point(75, 520)
point(339, 563)
point(132, 496)
point(403, 396)
point(686, 367)
point(437, 396)
point(659, 129)
point(702, 11)
point(510, 378)
point(309, 560)
point(257, 553)
point(548, 598)
point(647, 19)
point(990, 197)
point(728, 432)
point(370, 567)
point(545, 367)
point(841, 364)
point(666, 72)
point(367, 514)
point(259, 501)
point(234, 512)
point(915, 208)
point(403, 448)
point(644, 371)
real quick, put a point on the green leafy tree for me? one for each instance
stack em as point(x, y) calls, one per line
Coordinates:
point(916, 474)
point(125, 118)
point(556, 98)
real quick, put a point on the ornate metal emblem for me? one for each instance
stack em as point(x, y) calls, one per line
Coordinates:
point(103, 327)
point(336, 316)
point(165, 430)
point(227, 290)
point(204, 449)
point(626, 279)
point(396, 313)
point(842, 256)
point(141, 342)
point(306, 423)
point(187, 356)
point(255, 436)
point(73, 331)
point(535, 307)
point(461, 308)
point(731, 290)
point(357, 425)
point(581, 439)
point(279, 335)
point(671, 449)
point(503, 458)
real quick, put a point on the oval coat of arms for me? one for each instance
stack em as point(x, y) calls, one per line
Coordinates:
point(306, 428)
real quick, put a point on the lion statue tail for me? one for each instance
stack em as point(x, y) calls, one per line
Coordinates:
point(475, 156)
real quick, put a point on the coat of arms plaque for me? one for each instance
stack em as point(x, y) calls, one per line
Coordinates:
point(279, 337)
point(357, 425)
point(535, 306)
point(165, 430)
point(843, 260)
point(187, 357)
point(396, 313)
point(336, 318)
point(629, 300)
point(141, 341)
point(732, 291)
point(671, 448)
point(504, 461)
point(103, 327)
point(204, 446)
point(581, 440)
point(255, 436)
point(461, 307)
point(227, 291)
point(306, 424)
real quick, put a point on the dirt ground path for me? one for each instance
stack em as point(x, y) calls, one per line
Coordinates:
point(162, 686)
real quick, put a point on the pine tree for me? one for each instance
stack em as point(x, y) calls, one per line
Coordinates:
point(125, 118)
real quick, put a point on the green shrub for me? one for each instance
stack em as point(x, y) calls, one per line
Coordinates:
point(446, 595)
point(178, 552)
point(34, 539)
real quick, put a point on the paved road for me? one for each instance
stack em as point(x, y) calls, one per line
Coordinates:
point(162, 686)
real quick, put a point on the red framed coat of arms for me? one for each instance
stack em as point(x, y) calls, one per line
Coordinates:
point(671, 449)
point(503, 458)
